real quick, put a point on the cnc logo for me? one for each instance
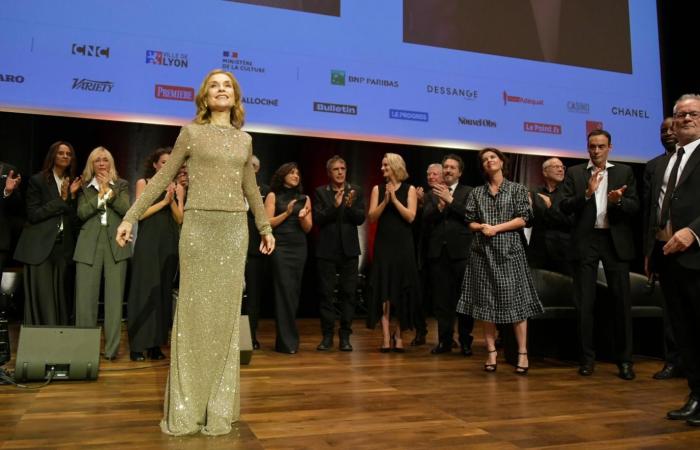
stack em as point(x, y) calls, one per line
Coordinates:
point(95, 51)
point(507, 98)
point(181, 93)
point(83, 84)
point(400, 114)
point(546, 128)
point(335, 108)
point(592, 125)
point(629, 112)
point(339, 78)
point(486, 123)
point(231, 61)
point(451, 91)
point(262, 101)
point(168, 59)
point(578, 107)
point(11, 78)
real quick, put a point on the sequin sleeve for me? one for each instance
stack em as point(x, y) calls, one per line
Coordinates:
point(157, 184)
point(252, 194)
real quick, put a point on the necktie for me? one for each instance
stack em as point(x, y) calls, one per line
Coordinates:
point(670, 187)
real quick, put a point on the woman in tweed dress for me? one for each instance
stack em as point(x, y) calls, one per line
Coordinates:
point(497, 286)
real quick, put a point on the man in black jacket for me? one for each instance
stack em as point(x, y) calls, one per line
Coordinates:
point(9, 199)
point(447, 253)
point(338, 210)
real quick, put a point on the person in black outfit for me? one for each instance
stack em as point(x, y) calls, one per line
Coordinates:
point(551, 228)
point(47, 243)
point(290, 216)
point(673, 247)
point(9, 199)
point(256, 266)
point(448, 253)
point(338, 210)
point(603, 198)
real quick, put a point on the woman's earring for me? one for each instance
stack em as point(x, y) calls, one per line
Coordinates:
point(205, 105)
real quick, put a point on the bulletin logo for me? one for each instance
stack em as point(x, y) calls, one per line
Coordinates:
point(96, 51)
point(335, 108)
point(181, 93)
point(231, 60)
point(507, 98)
point(83, 84)
point(169, 59)
point(546, 128)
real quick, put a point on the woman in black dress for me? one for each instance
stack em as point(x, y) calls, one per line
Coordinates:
point(290, 217)
point(154, 265)
point(47, 242)
point(394, 275)
point(497, 286)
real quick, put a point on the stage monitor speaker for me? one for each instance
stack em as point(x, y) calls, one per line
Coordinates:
point(245, 342)
point(71, 353)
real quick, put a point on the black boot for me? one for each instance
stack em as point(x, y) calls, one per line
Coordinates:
point(326, 343)
point(345, 345)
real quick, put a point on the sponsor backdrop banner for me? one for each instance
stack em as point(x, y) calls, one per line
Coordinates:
point(390, 70)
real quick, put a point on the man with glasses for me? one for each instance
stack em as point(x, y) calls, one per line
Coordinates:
point(672, 243)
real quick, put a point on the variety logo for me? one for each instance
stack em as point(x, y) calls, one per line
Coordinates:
point(546, 128)
point(339, 78)
point(400, 114)
point(84, 84)
point(578, 107)
point(450, 91)
point(11, 78)
point(96, 51)
point(477, 122)
point(630, 112)
point(261, 101)
point(169, 59)
point(182, 93)
point(335, 108)
point(231, 61)
point(517, 99)
point(592, 125)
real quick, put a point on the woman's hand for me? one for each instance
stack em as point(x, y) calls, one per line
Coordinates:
point(124, 235)
point(267, 244)
point(180, 191)
point(304, 211)
point(169, 193)
point(75, 186)
point(488, 230)
point(290, 207)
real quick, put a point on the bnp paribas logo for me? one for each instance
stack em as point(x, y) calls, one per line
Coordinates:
point(338, 77)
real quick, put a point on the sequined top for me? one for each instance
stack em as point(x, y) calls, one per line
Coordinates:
point(219, 169)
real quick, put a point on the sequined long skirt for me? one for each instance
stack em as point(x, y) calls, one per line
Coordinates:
point(203, 390)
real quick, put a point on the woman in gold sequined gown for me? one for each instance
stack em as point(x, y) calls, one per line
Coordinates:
point(203, 389)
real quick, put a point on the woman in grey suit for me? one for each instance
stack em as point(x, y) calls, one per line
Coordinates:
point(103, 201)
point(48, 239)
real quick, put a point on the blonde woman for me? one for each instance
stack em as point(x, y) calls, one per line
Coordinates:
point(102, 202)
point(203, 391)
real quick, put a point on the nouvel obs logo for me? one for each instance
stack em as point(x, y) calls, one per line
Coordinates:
point(487, 123)
point(169, 59)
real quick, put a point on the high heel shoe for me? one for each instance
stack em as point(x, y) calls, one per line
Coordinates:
point(394, 348)
point(491, 367)
point(520, 370)
point(383, 349)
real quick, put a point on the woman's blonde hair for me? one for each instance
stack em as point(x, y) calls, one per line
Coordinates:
point(237, 112)
point(397, 165)
point(89, 172)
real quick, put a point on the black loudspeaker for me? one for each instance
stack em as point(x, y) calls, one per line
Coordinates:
point(245, 342)
point(70, 353)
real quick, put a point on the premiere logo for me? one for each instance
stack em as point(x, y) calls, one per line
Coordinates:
point(232, 62)
point(335, 108)
point(339, 78)
point(96, 51)
point(578, 107)
point(400, 114)
point(261, 101)
point(83, 84)
point(546, 128)
point(630, 112)
point(517, 99)
point(181, 93)
point(10, 78)
point(450, 91)
point(592, 125)
point(168, 59)
point(487, 123)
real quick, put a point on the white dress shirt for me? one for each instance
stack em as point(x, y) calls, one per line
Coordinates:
point(601, 197)
point(102, 202)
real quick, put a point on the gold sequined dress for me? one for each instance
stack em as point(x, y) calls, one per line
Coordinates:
point(203, 390)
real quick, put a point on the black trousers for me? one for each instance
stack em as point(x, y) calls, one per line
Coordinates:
point(287, 263)
point(422, 309)
point(617, 273)
point(346, 271)
point(256, 273)
point(672, 352)
point(48, 289)
point(446, 277)
point(682, 288)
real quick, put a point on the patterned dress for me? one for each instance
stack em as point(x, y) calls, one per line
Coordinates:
point(497, 284)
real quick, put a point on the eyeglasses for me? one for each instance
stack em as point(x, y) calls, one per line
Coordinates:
point(682, 115)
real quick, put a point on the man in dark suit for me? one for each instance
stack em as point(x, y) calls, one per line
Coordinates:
point(672, 365)
point(338, 210)
point(671, 242)
point(603, 198)
point(550, 239)
point(447, 254)
point(9, 200)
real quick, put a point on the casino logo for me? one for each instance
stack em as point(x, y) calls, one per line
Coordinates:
point(83, 84)
point(507, 98)
point(262, 101)
point(335, 108)
point(11, 78)
point(546, 128)
point(486, 123)
point(592, 125)
point(400, 114)
point(578, 107)
point(452, 91)
point(181, 93)
point(233, 62)
point(168, 59)
point(629, 112)
point(96, 51)
point(340, 78)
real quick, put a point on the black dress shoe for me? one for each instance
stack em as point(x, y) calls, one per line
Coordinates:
point(326, 344)
point(467, 350)
point(155, 354)
point(256, 344)
point(418, 340)
point(669, 371)
point(134, 356)
point(626, 371)
point(442, 347)
point(345, 345)
point(585, 370)
point(694, 421)
point(691, 409)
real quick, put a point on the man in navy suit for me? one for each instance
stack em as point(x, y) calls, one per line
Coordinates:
point(603, 198)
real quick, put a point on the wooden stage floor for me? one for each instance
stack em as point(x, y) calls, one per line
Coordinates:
point(362, 400)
